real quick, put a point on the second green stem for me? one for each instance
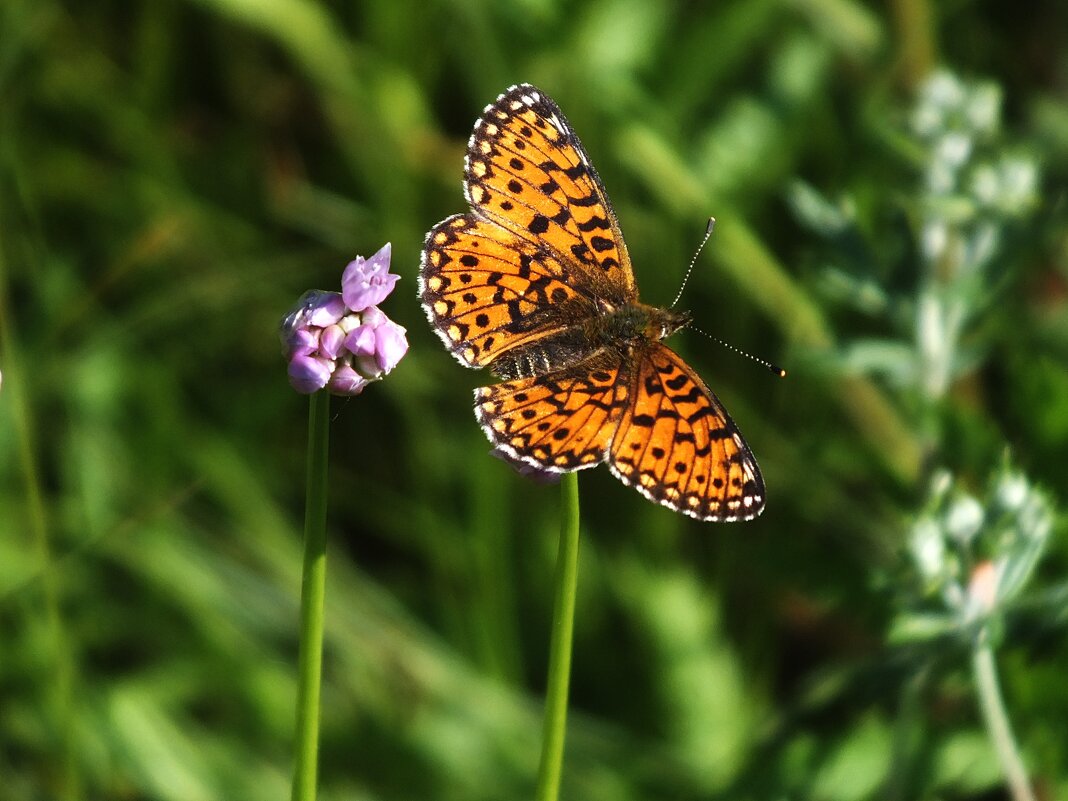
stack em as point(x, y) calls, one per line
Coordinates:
point(997, 720)
point(312, 598)
point(552, 747)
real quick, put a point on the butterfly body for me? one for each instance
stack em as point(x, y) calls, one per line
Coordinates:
point(535, 283)
point(616, 332)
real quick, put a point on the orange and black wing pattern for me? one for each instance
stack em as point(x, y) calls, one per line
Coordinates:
point(488, 291)
point(676, 444)
point(559, 422)
point(527, 170)
point(540, 249)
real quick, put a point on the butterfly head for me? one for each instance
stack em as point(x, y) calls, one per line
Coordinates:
point(665, 322)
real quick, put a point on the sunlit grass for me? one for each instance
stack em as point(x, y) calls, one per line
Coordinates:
point(172, 175)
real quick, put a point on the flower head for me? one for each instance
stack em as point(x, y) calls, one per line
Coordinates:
point(341, 340)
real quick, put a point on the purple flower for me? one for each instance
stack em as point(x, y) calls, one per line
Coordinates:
point(346, 381)
point(378, 344)
point(341, 340)
point(315, 309)
point(367, 282)
point(361, 340)
point(331, 340)
point(308, 374)
point(390, 345)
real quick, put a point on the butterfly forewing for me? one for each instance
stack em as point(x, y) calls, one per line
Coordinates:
point(527, 169)
point(486, 291)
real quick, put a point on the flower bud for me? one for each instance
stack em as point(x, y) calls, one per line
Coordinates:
point(309, 374)
point(390, 345)
point(928, 549)
point(368, 282)
point(963, 519)
point(982, 588)
point(346, 381)
point(331, 341)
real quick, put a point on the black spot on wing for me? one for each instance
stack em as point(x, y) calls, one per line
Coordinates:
point(538, 225)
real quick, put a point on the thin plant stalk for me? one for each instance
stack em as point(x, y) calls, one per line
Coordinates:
point(312, 593)
point(997, 720)
point(555, 726)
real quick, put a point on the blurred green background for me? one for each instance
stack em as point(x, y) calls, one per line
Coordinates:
point(173, 175)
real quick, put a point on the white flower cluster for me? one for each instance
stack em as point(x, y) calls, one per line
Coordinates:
point(976, 554)
point(971, 188)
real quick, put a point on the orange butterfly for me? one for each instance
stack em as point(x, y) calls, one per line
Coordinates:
point(535, 283)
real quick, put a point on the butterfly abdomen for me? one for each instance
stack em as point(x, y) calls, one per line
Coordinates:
point(554, 352)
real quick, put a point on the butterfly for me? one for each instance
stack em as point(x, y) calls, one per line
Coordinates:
point(535, 283)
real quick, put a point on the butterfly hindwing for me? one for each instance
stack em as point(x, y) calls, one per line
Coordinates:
point(677, 445)
point(559, 421)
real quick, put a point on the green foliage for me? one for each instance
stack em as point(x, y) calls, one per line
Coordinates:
point(174, 175)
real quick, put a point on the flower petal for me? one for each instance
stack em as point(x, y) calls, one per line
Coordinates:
point(346, 381)
point(301, 342)
point(361, 341)
point(367, 282)
point(309, 374)
point(390, 345)
point(331, 341)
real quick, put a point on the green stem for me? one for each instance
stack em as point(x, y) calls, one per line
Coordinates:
point(312, 592)
point(552, 746)
point(997, 721)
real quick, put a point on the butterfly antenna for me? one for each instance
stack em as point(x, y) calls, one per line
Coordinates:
point(693, 261)
point(775, 369)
